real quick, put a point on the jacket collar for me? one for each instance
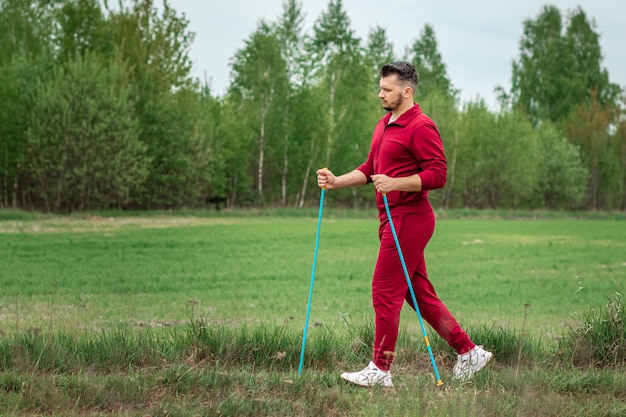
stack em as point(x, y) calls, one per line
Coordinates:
point(408, 115)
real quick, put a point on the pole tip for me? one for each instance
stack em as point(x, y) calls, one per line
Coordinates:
point(439, 383)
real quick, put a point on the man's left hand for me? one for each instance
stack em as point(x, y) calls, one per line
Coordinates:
point(383, 183)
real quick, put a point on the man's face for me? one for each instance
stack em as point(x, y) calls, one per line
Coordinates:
point(390, 92)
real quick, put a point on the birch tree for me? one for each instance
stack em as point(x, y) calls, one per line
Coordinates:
point(260, 76)
point(290, 35)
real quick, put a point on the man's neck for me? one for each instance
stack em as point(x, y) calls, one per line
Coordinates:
point(395, 115)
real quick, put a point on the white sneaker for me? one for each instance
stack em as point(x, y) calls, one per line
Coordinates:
point(369, 377)
point(470, 363)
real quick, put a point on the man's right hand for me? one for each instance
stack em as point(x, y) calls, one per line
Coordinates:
point(325, 179)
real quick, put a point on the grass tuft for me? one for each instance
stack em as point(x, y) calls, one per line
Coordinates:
point(599, 339)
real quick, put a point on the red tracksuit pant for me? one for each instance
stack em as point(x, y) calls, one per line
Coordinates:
point(390, 289)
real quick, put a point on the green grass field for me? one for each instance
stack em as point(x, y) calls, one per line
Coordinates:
point(113, 276)
point(100, 272)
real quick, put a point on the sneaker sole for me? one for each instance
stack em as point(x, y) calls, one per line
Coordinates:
point(345, 378)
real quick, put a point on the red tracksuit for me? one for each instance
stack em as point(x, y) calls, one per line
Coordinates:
point(410, 145)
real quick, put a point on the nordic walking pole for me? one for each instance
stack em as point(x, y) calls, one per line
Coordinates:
point(408, 281)
point(308, 309)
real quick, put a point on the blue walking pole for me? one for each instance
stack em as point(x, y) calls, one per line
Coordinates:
point(308, 309)
point(408, 281)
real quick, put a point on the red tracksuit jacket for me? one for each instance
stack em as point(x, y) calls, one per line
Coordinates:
point(409, 145)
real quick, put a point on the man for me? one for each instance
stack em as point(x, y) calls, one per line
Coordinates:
point(406, 159)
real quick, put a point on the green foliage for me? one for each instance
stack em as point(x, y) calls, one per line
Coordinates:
point(443, 109)
point(562, 177)
point(305, 148)
point(341, 75)
point(540, 76)
point(177, 152)
point(379, 52)
point(332, 36)
point(25, 53)
point(516, 150)
point(27, 27)
point(289, 32)
point(559, 78)
point(233, 142)
point(559, 67)
point(602, 152)
point(497, 159)
point(297, 102)
point(261, 82)
point(582, 41)
point(81, 29)
point(206, 147)
point(82, 149)
point(425, 55)
point(20, 77)
point(155, 46)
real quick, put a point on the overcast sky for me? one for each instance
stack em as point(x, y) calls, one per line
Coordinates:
point(477, 39)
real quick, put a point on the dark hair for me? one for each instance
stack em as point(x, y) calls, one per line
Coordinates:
point(406, 73)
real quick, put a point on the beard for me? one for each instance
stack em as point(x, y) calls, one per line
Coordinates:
point(392, 104)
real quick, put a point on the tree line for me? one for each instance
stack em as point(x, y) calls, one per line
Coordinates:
point(99, 110)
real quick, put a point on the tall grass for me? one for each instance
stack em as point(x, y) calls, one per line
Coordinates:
point(599, 339)
point(249, 370)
